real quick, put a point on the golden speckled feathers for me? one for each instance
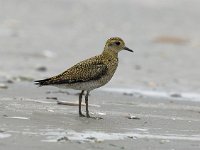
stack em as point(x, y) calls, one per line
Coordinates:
point(91, 73)
point(87, 70)
point(95, 71)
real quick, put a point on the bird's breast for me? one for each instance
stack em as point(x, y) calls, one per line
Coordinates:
point(111, 68)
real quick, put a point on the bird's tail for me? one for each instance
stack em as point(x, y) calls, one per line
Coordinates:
point(42, 82)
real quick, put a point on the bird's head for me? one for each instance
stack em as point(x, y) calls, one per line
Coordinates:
point(116, 44)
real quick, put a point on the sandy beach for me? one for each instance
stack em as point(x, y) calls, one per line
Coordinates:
point(153, 100)
point(32, 119)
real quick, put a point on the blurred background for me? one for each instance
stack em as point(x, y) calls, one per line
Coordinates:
point(42, 38)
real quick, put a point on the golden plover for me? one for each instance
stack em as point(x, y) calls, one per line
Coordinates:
point(91, 73)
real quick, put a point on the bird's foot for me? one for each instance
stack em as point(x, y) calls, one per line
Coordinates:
point(96, 118)
point(87, 115)
point(81, 115)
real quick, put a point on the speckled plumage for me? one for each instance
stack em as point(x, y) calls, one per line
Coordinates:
point(93, 72)
point(90, 73)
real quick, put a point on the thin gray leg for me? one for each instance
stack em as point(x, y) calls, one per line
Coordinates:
point(86, 102)
point(80, 100)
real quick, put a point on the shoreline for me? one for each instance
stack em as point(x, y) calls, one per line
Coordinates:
point(185, 96)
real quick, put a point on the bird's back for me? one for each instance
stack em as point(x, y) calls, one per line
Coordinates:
point(90, 73)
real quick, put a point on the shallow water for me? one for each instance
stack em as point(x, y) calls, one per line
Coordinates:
point(91, 136)
point(186, 96)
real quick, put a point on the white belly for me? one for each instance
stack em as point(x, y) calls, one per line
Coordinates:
point(80, 86)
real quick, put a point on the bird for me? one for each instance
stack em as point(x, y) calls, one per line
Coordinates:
point(89, 74)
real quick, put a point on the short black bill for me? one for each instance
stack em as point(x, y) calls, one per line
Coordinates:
point(128, 49)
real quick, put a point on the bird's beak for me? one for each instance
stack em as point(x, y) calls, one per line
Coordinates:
point(128, 49)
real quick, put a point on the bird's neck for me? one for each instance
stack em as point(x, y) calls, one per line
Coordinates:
point(111, 52)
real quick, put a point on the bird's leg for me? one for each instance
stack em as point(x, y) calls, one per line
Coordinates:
point(87, 111)
point(80, 100)
point(86, 102)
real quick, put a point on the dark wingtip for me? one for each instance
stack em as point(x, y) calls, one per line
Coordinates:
point(41, 82)
point(37, 83)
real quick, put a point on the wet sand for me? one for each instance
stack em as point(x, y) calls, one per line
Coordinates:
point(32, 119)
point(152, 102)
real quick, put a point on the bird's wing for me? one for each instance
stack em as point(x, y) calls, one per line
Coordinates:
point(88, 70)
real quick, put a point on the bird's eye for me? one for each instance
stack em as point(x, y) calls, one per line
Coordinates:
point(117, 43)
